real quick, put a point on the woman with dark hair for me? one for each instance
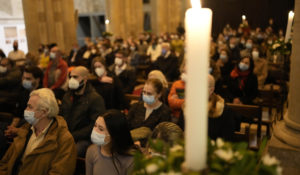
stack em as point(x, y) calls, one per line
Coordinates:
point(243, 86)
point(151, 111)
point(112, 145)
point(107, 85)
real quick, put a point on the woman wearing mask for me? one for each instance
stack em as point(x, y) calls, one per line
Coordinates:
point(260, 67)
point(225, 66)
point(112, 145)
point(157, 74)
point(107, 85)
point(242, 84)
point(151, 111)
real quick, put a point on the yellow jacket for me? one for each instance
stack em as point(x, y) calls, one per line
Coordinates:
point(56, 154)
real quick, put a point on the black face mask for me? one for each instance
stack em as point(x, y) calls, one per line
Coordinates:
point(15, 48)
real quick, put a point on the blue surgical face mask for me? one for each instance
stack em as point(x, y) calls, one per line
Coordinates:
point(210, 70)
point(243, 66)
point(29, 117)
point(27, 84)
point(223, 57)
point(97, 138)
point(163, 51)
point(149, 99)
point(248, 45)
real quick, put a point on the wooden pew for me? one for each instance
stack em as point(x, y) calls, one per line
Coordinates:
point(132, 98)
point(6, 117)
point(251, 114)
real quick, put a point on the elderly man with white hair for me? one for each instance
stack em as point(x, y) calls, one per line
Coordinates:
point(43, 145)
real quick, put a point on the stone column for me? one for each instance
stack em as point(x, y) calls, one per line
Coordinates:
point(166, 15)
point(126, 17)
point(288, 130)
point(49, 21)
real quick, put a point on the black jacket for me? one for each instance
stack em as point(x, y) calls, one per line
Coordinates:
point(81, 112)
point(169, 67)
point(248, 93)
point(127, 78)
point(112, 94)
point(136, 116)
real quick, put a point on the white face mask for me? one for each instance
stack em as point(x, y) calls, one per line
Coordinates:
point(52, 55)
point(73, 84)
point(3, 69)
point(29, 117)
point(97, 138)
point(255, 55)
point(99, 71)
point(118, 61)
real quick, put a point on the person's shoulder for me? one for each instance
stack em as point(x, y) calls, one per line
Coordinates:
point(93, 148)
point(63, 62)
point(178, 83)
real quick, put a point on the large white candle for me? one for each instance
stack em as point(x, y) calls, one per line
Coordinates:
point(198, 34)
point(107, 25)
point(289, 26)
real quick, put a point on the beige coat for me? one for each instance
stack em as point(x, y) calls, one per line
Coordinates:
point(261, 71)
point(56, 154)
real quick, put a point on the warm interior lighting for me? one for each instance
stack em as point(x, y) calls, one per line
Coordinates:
point(291, 14)
point(106, 21)
point(243, 17)
point(196, 3)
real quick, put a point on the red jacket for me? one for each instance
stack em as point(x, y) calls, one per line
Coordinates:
point(62, 65)
point(176, 103)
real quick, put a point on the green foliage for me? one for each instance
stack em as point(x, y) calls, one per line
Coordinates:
point(224, 158)
point(106, 34)
point(280, 47)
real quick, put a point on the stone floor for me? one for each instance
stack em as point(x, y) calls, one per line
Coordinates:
point(289, 157)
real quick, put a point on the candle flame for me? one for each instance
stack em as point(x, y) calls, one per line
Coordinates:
point(291, 14)
point(196, 3)
point(243, 17)
point(106, 21)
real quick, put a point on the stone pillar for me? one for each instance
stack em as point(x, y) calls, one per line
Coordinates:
point(126, 17)
point(166, 15)
point(49, 21)
point(288, 130)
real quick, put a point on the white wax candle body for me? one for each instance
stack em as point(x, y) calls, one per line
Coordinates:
point(289, 27)
point(198, 36)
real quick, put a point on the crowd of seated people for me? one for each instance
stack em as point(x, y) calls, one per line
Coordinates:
point(89, 86)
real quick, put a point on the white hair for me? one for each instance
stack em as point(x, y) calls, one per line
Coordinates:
point(47, 101)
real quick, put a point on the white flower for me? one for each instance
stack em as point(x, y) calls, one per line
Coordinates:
point(223, 154)
point(269, 161)
point(176, 148)
point(275, 46)
point(220, 143)
point(151, 168)
point(212, 142)
point(171, 173)
point(238, 155)
point(279, 170)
